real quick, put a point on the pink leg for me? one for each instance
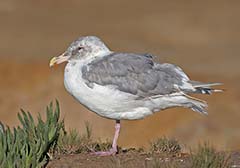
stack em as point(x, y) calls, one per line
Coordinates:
point(113, 150)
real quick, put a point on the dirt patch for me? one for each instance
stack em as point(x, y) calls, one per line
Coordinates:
point(130, 159)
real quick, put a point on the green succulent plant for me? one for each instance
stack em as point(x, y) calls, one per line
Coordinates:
point(28, 145)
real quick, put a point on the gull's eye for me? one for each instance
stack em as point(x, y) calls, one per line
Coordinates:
point(79, 48)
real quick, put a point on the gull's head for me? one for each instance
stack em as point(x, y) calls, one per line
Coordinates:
point(82, 48)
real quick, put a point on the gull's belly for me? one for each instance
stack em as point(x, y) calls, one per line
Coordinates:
point(103, 100)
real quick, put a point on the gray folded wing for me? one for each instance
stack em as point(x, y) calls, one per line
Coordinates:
point(135, 74)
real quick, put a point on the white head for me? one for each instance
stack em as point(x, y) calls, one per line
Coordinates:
point(82, 48)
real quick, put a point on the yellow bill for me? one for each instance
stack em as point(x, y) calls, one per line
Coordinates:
point(59, 59)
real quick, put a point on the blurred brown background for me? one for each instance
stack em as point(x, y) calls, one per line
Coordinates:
point(202, 37)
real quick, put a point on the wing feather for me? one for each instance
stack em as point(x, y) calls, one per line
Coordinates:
point(134, 73)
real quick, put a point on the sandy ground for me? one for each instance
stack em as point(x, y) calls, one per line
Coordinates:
point(202, 37)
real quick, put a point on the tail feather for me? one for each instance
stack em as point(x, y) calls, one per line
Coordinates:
point(202, 84)
point(200, 107)
point(205, 88)
point(196, 104)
